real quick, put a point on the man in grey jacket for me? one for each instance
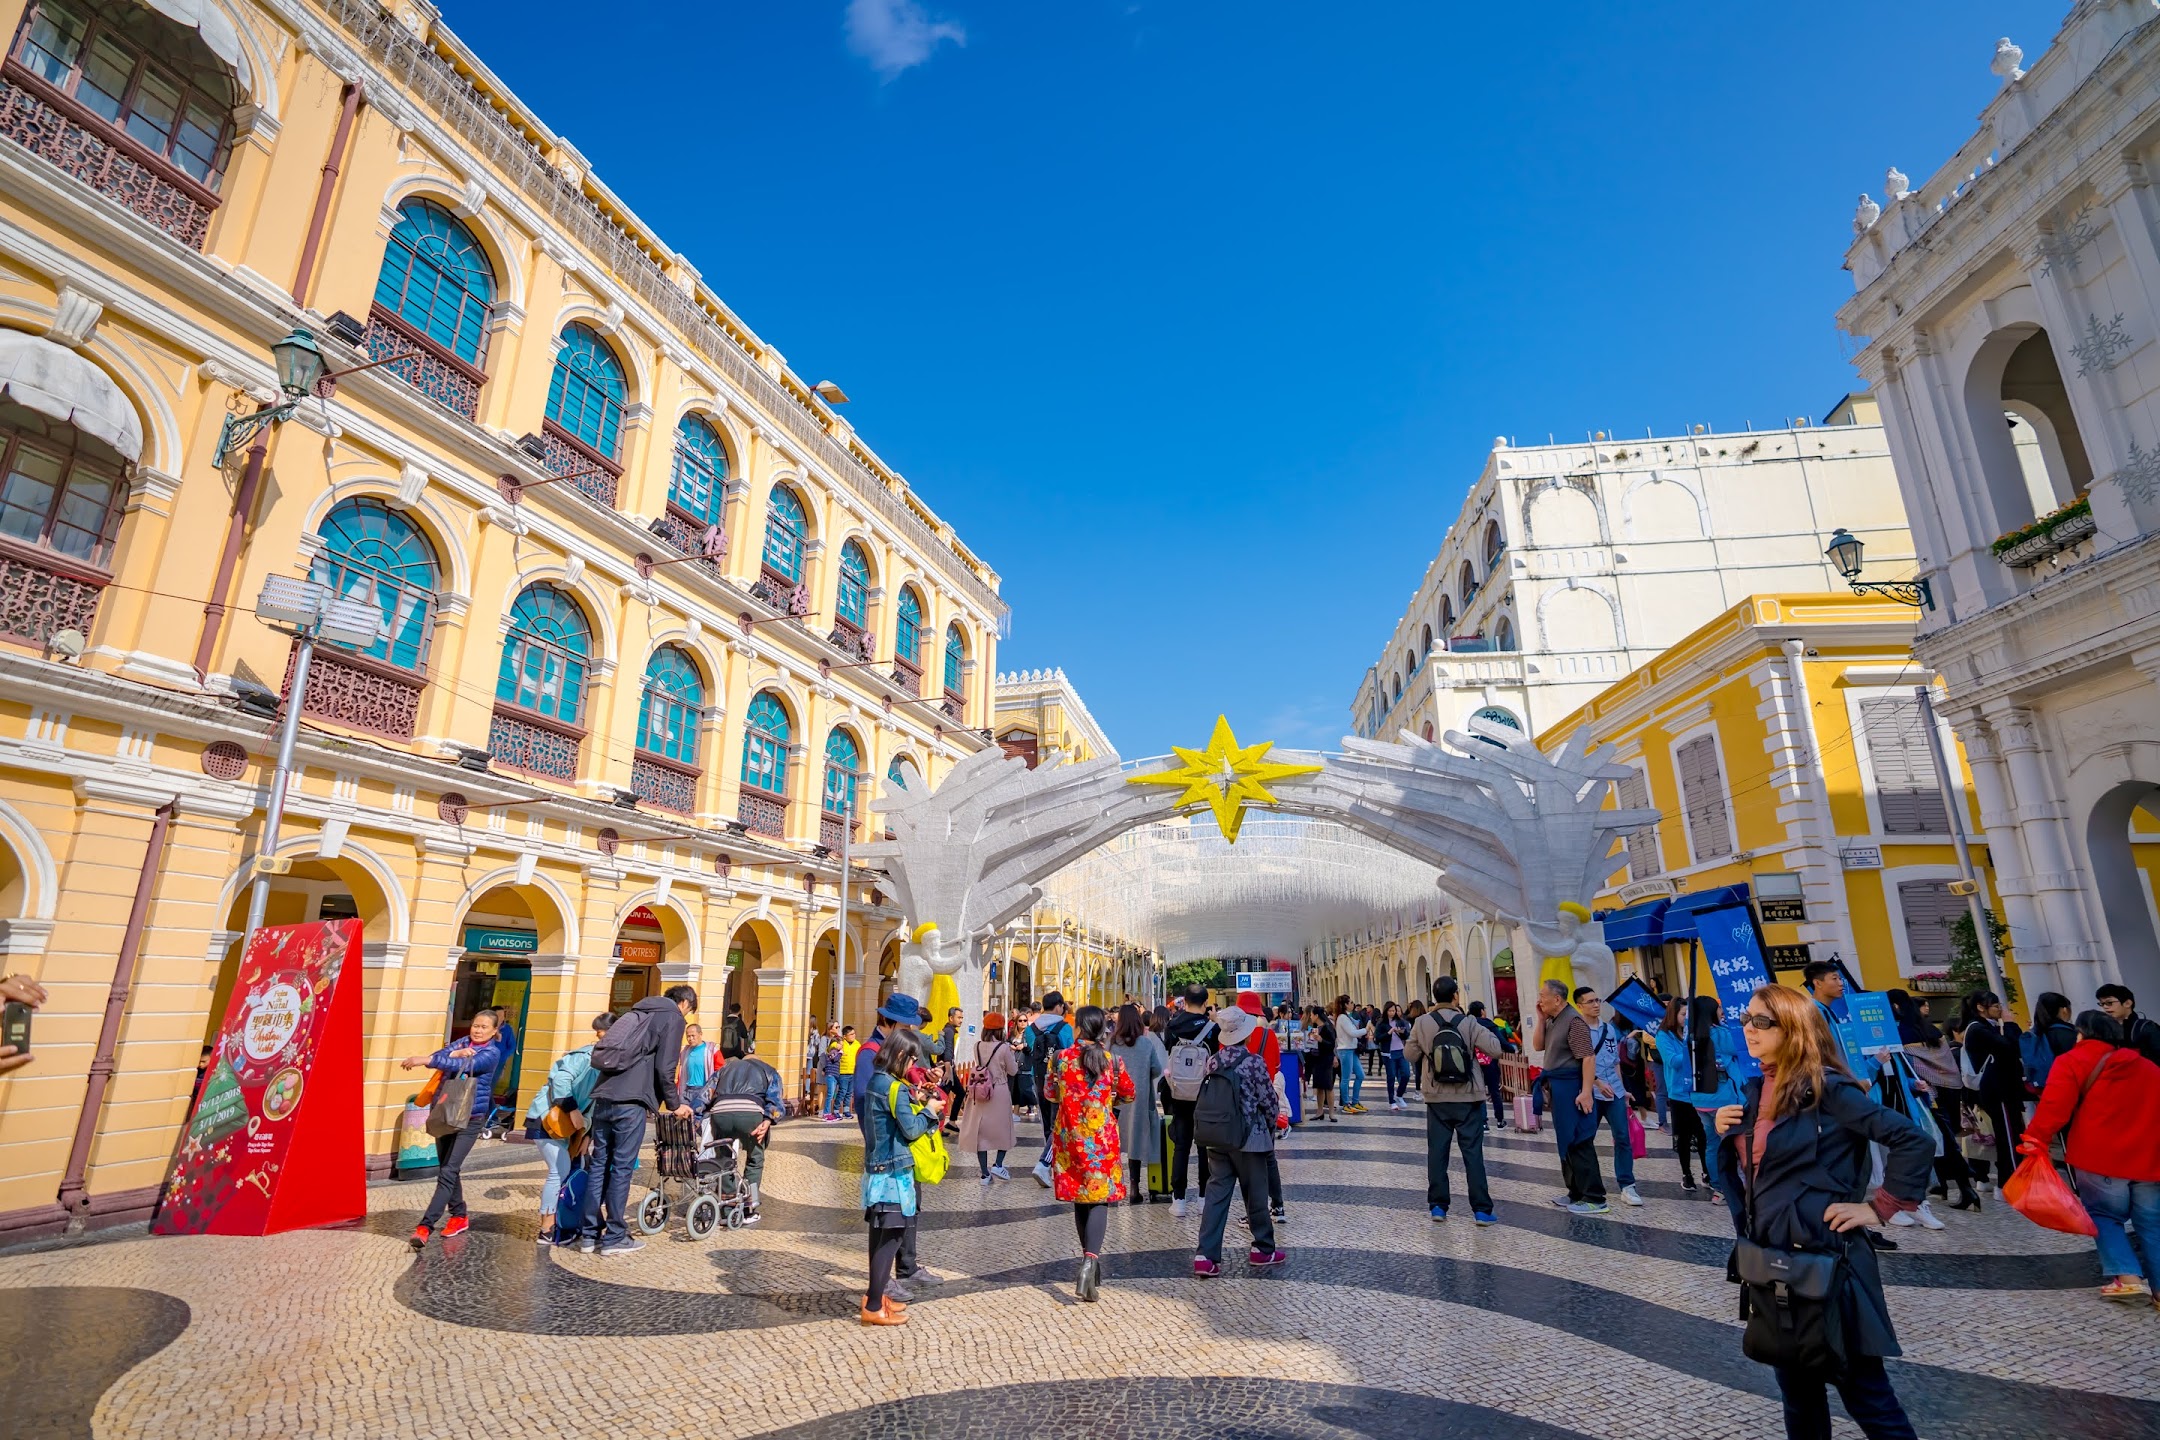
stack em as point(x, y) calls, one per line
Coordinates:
point(623, 1101)
point(1442, 1053)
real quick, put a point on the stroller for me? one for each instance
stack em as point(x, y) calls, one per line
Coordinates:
point(700, 1179)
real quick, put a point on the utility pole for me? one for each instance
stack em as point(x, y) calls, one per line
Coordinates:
point(1954, 808)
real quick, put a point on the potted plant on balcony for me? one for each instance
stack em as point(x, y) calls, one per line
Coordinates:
point(2072, 523)
point(2053, 532)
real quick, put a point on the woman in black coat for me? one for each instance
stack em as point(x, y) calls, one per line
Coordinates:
point(1798, 1149)
point(1991, 1048)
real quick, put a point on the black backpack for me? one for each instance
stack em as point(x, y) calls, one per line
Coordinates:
point(1217, 1122)
point(627, 1041)
point(1451, 1058)
point(1041, 1044)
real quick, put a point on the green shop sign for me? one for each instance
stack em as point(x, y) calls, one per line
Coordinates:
point(500, 942)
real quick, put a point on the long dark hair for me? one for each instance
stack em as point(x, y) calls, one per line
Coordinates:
point(1088, 1028)
point(1970, 1007)
point(1675, 1021)
point(1130, 1025)
point(2051, 1009)
point(1702, 1023)
point(1914, 1027)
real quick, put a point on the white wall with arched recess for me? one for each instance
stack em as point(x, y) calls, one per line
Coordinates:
point(1661, 509)
point(1577, 619)
point(1562, 515)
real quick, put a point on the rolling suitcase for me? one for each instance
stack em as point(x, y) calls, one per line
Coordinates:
point(1158, 1174)
point(1526, 1118)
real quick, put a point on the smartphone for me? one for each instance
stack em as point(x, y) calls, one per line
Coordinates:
point(15, 1026)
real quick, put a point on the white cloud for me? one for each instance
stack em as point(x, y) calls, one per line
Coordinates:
point(896, 35)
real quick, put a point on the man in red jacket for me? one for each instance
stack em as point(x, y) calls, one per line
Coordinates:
point(2107, 1096)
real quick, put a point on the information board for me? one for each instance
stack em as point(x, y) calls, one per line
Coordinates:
point(1873, 1028)
point(1276, 982)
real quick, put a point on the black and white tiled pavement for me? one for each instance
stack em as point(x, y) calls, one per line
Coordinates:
point(1383, 1324)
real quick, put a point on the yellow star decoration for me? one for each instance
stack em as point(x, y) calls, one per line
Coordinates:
point(1225, 777)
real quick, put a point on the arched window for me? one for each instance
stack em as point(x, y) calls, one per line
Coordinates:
point(843, 767)
point(1425, 640)
point(1498, 716)
point(437, 280)
point(63, 490)
point(894, 772)
point(545, 654)
point(955, 659)
point(1447, 620)
point(586, 395)
point(907, 635)
point(1495, 542)
point(669, 709)
point(373, 552)
point(141, 76)
point(1410, 663)
point(698, 486)
point(1467, 586)
point(785, 527)
point(854, 585)
point(1398, 690)
point(1504, 634)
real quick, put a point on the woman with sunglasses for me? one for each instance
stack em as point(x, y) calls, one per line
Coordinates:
point(1796, 1153)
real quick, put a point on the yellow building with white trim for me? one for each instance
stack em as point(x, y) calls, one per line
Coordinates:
point(593, 776)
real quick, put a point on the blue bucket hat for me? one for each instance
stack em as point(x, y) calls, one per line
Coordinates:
point(901, 1010)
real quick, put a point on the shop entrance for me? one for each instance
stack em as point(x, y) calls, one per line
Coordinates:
point(639, 948)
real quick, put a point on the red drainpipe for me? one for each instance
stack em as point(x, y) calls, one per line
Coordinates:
point(74, 1192)
point(311, 248)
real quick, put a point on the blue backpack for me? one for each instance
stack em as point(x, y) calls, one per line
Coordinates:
point(2039, 1057)
point(570, 1206)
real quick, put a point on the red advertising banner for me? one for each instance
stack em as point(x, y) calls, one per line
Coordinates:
point(277, 1141)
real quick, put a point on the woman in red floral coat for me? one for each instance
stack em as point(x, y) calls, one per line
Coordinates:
point(1088, 1084)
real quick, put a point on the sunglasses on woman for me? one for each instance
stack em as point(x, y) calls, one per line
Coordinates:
point(1759, 1021)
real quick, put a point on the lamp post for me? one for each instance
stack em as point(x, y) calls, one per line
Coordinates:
point(308, 611)
point(1844, 552)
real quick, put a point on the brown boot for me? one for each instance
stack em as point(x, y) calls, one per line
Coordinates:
point(894, 1313)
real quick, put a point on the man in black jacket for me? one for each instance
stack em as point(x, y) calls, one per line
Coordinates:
point(622, 1101)
point(2140, 1033)
point(1188, 1022)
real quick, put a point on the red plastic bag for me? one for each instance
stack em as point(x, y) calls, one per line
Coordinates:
point(2037, 1192)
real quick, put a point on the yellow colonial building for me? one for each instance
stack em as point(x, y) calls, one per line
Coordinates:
point(1784, 744)
point(653, 618)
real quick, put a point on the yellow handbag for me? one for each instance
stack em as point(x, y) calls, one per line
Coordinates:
point(932, 1159)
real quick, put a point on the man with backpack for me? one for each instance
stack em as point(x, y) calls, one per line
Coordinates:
point(1442, 1053)
point(636, 1060)
point(2141, 1033)
point(1236, 1117)
point(1047, 1034)
point(1191, 1037)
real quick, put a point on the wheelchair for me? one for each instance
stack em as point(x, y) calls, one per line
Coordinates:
point(699, 1180)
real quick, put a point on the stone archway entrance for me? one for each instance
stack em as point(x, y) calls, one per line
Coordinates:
point(2127, 819)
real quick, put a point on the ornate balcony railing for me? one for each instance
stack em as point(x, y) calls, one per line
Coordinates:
point(434, 372)
point(832, 829)
point(952, 705)
point(662, 782)
point(353, 690)
point(763, 814)
point(565, 454)
point(685, 538)
point(851, 640)
point(37, 598)
point(781, 593)
point(522, 741)
point(907, 675)
point(57, 130)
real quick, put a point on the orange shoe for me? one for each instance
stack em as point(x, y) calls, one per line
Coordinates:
point(894, 1313)
point(455, 1225)
point(2125, 1287)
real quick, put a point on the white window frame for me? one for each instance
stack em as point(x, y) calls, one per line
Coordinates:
point(1687, 826)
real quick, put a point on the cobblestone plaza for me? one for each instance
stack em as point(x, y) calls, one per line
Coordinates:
point(1383, 1324)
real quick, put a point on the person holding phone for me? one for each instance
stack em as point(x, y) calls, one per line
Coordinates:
point(22, 997)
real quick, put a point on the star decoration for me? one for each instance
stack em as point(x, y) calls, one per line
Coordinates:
point(1225, 777)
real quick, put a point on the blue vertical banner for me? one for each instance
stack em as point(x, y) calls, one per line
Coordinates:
point(1733, 951)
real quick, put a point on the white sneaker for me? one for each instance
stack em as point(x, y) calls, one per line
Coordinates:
point(1902, 1218)
point(1042, 1176)
point(1629, 1194)
point(1929, 1218)
point(1177, 1206)
point(999, 1172)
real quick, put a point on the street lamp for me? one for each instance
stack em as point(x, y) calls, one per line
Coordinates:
point(299, 362)
point(1844, 552)
point(308, 611)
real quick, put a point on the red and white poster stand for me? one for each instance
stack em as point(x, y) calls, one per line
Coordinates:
point(276, 1140)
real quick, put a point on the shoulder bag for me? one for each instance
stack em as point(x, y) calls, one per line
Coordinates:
point(1790, 1299)
point(453, 1106)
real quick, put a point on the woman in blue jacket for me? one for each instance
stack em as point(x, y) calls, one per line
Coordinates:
point(479, 1055)
point(893, 1119)
point(569, 1087)
point(1676, 1080)
point(1711, 1060)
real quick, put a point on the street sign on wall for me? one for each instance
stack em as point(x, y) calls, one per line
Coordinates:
point(1274, 982)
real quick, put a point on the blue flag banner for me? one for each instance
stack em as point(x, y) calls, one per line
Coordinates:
point(1636, 1001)
point(1734, 954)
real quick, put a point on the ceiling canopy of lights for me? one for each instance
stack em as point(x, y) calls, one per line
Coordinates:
point(1290, 881)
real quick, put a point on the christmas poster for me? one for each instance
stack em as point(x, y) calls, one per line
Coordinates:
point(276, 1141)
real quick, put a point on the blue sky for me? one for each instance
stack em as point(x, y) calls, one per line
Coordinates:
point(1197, 318)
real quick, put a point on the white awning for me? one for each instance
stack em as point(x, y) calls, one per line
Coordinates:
point(53, 380)
point(206, 20)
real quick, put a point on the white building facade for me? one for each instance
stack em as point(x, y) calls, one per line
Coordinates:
point(1572, 564)
point(2011, 309)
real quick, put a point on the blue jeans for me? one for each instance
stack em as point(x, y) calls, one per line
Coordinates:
point(1398, 1074)
point(557, 1155)
point(1613, 1113)
point(1710, 1147)
point(1351, 1083)
point(618, 1131)
point(2110, 1201)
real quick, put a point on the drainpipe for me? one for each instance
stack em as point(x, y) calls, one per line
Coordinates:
point(229, 558)
point(311, 247)
point(74, 1191)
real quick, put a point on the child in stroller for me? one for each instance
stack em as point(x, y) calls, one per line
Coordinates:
point(700, 1179)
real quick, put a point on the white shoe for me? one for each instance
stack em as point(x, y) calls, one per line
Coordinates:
point(1928, 1217)
point(1903, 1217)
point(1177, 1206)
point(1628, 1193)
point(999, 1172)
point(1042, 1176)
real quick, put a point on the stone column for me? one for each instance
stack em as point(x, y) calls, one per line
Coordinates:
point(2058, 883)
point(2005, 844)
